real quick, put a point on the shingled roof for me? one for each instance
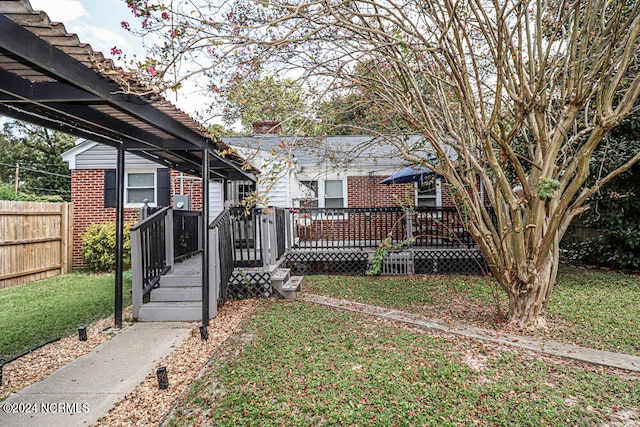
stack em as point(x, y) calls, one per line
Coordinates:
point(50, 78)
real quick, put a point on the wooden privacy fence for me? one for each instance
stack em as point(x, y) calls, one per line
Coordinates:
point(36, 241)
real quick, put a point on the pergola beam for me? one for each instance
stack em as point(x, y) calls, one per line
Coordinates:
point(25, 45)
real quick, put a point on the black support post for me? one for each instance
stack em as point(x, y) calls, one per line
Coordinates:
point(205, 237)
point(119, 236)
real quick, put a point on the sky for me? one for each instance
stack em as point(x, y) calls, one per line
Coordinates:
point(97, 22)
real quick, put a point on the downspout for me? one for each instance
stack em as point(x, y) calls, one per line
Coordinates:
point(119, 236)
point(205, 237)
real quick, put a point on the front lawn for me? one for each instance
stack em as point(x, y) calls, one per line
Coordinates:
point(596, 309)
point(305, 365)
point(36, 313)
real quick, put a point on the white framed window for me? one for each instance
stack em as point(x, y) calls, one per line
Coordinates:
point(325, 193)
point(140, 185)
point(334, 193)
point(428, 194)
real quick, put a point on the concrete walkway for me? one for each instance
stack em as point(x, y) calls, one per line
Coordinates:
point(567, 351)
point(83, 391)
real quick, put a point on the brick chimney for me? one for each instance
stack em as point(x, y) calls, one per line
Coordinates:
point(266, 127)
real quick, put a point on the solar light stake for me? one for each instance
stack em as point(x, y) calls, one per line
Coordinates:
point(82, 333)
point(1, 374)
point(204, 334)
point(163, 379)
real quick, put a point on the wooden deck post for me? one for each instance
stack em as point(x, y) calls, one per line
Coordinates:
point(268, 237)
point(273, 237)
point(169, 239)
point(288, 232)
point(264, 237)
point(136, 272)
point(409, 215)
point(215, 279)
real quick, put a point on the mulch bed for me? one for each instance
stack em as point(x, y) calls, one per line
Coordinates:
point(146, 404)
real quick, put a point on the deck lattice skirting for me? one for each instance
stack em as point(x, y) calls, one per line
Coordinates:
point(402, 262)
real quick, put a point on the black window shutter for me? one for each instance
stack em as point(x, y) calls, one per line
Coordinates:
point(110, 188)
point(164, 187)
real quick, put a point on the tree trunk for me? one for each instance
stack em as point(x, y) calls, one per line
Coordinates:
point(528, 293)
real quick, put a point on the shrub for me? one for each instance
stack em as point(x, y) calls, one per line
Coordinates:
point(7, 192)
point(99, 246)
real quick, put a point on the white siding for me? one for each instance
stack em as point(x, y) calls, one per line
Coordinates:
point(279, 195)
point(105, 157)
point(216, 202)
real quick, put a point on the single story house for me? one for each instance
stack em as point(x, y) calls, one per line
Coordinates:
point(331, 171)
point(323, 172)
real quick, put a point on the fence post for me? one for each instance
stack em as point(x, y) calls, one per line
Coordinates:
point(136, 272)
point(169, 239)
point(66, 237)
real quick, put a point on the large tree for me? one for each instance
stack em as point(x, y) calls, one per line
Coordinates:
point(269, 98)
point(34, 153)
point(515, 94)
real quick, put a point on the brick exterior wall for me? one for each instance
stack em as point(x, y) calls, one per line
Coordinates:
point(192, 187)
point(445, 193)
point(87, 195)
point(365, 192)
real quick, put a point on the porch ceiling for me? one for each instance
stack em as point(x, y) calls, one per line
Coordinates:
point(49, 78)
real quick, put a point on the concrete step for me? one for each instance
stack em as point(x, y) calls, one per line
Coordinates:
point(170, 312)
point(180, 281)
point(178, 293)
point(280, 277)
point(294, 284)
point(289, 289)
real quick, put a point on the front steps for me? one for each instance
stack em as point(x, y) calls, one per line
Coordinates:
point(177, 299)
point(285, 284)
point(185, 311)
point(178, 296)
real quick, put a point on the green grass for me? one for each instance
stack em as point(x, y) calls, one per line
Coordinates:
point(596, 309)
point(36, 313)
point(304, 365)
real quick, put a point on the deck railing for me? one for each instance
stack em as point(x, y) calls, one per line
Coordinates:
point(259, 235)
point(186, 234)
point(221, 254)
point(365, 228)
point(246, 232)
point(151, 253)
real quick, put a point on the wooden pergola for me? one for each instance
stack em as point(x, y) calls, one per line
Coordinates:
point(49, 78)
